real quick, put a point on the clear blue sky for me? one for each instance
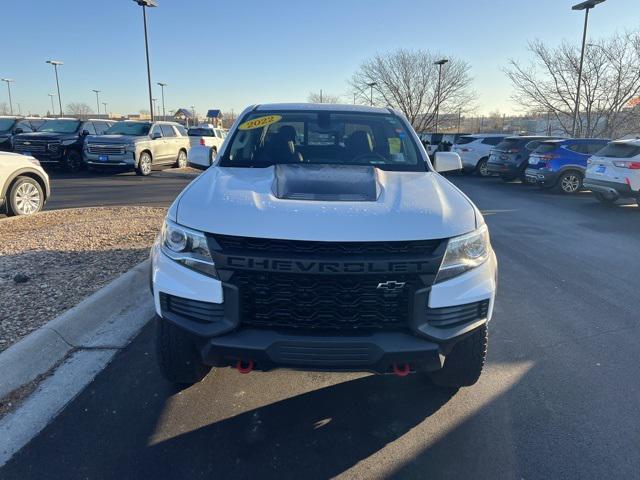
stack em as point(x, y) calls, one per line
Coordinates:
point(227, 54)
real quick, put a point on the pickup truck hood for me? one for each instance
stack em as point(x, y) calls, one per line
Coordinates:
point(243, 202)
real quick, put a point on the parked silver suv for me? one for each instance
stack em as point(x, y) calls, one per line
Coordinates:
point(139, 146)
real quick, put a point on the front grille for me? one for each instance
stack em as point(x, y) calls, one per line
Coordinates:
point(31, 146)
point(203, 312)
point(263, 245)
point(105, 149)
point(446, 317)
point(323, 302)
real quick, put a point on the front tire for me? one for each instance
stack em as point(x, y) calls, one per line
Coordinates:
point(73, 162)
point(178, 357)
point(25, 197)
point(181, 162)
point(605, 200)
point(463, 365)
point(569, 183)
point(482, 169)
point(144, 164)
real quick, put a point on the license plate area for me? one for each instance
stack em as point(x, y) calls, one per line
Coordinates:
point(103, 158)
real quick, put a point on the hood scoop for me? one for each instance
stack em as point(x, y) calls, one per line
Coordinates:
point(346, 183)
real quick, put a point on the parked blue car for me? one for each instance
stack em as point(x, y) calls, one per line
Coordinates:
point(561, 164)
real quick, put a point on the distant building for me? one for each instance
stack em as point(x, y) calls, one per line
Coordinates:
point(185, 116)
point(214, 117)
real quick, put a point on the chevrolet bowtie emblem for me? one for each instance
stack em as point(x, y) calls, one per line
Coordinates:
point(391, 286)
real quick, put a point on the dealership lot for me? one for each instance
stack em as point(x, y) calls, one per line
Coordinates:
point(558, 398)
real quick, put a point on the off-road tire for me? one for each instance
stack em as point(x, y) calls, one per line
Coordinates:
point(178, 357)
point(463, 365)
point(72, 162)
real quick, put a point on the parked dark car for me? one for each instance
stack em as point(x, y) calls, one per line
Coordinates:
point(561, 164)
point(11, 126)
point(509, 158)
point(59, 141)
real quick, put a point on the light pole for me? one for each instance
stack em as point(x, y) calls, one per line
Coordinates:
point(371, 85)
point(104, 104)
point(53, 109)
point(55, 64)
point(162, 85)
point(155, 104)
point(97, 92)
point(586, 6)
point(144, 4)
point(440, 63)
point(9, 80)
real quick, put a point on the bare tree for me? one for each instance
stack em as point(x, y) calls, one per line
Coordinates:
point(78, 109)
point(408, 80)
point(316, 97)
point(228, 118)
point(610, 80)
point(4, 109)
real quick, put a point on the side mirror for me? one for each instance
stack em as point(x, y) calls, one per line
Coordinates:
point(156, 135)
point(18, 131)
point(447, 162)
point(85, 133)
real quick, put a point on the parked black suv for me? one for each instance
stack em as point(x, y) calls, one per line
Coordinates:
point(510, 158)
point(11, 126)
point(59, 141)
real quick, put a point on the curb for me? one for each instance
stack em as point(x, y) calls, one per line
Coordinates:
point(107, 319)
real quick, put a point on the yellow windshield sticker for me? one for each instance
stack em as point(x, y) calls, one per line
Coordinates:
point(395, 145)
point(259, 122)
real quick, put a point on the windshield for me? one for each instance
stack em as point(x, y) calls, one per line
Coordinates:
point(6, 124)
point(135, 129)
point(60, 126)
point(263, 139)
point(546, 147)
point(619, 150)
point(463, 140)
point(201, 132)
point(508, 144)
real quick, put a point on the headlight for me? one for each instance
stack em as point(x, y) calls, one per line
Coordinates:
point(130, 147)
point(464, 253)
point(187, 247)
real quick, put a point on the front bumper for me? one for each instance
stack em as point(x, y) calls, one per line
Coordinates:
point(127, 159)
point(609, 188)
point(225, 341)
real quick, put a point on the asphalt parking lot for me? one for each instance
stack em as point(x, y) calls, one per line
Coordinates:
point(559, 398)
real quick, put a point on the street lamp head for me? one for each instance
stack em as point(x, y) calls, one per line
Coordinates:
point(96, 91)
point(51, 94)
point(54, 62)
point(372, 84)
point(162, 84)
point(8, 80)
point(441, 62)
point(586, 4)
point(147, 3)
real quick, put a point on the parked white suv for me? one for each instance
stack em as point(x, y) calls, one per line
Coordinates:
point(323, 238)
point(205, 141)
point(614, 172)
point(24, 185)
point(474, 151)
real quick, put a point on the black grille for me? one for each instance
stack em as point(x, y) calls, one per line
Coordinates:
point(263, 245)
point(323, 302)
point(192, 309)
point(453, 316)
point(32, 146)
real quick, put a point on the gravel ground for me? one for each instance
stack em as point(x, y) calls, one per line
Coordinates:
point(53, 260)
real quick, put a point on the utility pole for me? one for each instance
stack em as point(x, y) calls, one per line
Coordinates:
point(8, 81)
point(162, 85)
point(104, 104)
point(320, 95)
point(586, 6)
point(97, 92)
point(459, 118)
point(440, 63)
point(53, 110)
point(144, 4)
point(55, 64)
point(371, 85)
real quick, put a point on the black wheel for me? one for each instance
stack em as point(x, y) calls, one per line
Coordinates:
point(482, 169)
point(508, 178)
point(178, 357)
point(25, 197)
point(181, 162)
point(73, 161)
point(463, 365)
point(212, 155)
point(605, 199)
point(144, 164)
point(569, 182)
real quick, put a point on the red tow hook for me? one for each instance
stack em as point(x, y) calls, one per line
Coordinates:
point(244, 369)
point(401, 372)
